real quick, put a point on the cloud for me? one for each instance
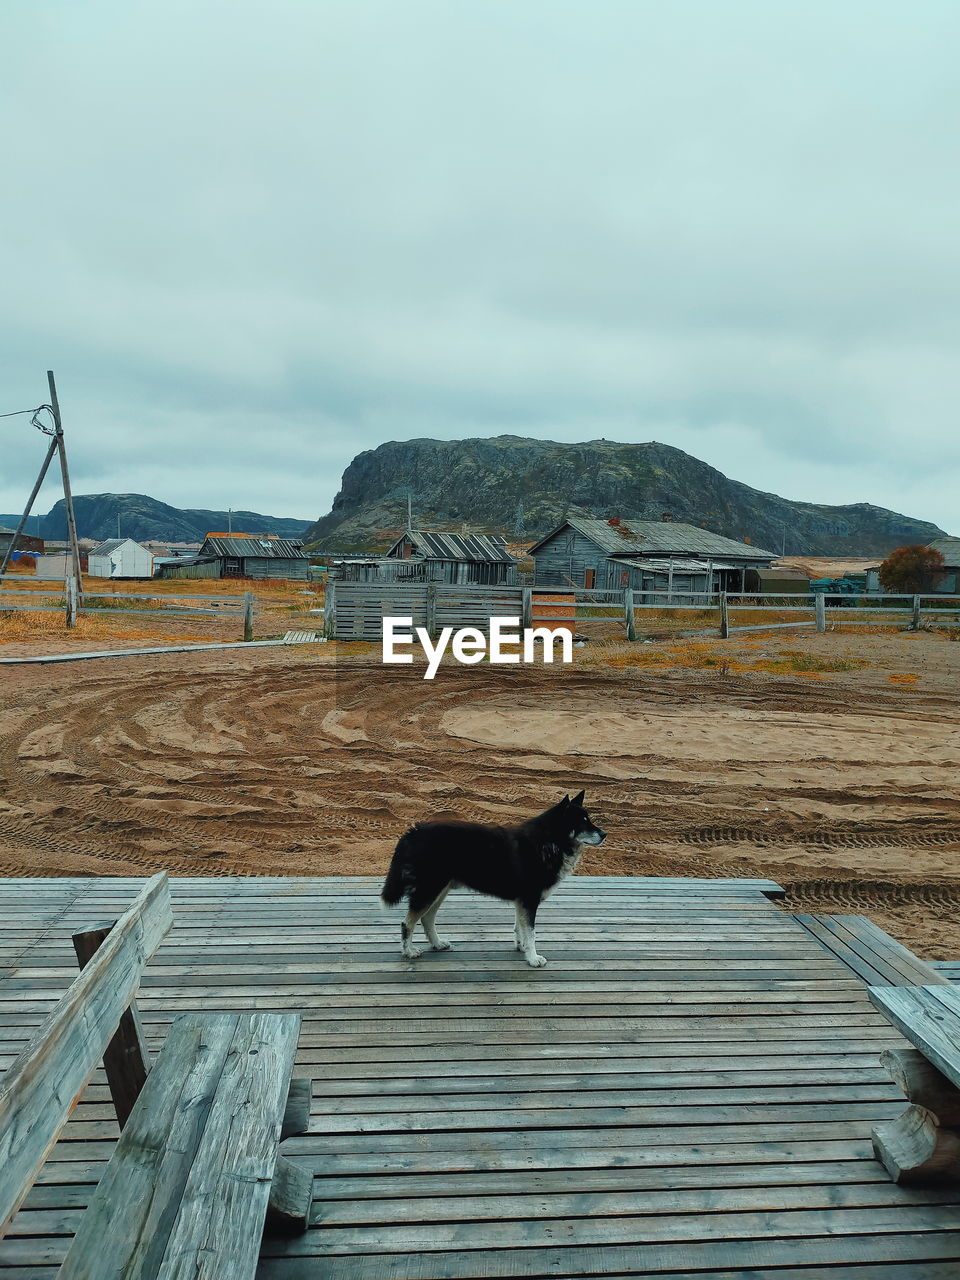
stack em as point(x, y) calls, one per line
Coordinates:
point(252, 242)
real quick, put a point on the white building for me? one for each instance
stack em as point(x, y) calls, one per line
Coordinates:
point(120, 558)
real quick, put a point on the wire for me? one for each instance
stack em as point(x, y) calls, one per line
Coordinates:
point(16, 412)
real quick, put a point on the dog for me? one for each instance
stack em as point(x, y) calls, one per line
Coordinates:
point(520, 864)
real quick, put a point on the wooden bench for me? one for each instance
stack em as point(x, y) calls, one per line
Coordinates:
point(923, 1144)
point(197, 1171)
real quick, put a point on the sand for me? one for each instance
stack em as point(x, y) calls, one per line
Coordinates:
point(310, 761)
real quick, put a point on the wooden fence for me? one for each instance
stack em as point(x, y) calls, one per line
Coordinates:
point(68, 599)
point(355, 610)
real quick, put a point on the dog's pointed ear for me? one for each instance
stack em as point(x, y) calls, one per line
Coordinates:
point(578, 799)
point(564, 801)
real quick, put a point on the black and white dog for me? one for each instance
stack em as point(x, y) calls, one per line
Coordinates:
point(519, 864)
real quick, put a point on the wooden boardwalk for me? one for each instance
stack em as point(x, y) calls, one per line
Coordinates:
point(686, 1090)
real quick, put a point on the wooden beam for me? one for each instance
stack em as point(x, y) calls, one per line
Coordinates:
point(44, 1084)
point(126, 1058)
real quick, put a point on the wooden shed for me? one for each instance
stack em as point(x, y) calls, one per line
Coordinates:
point(120, 558)
point(458, 558)
point(644, 555)
point(255, 555)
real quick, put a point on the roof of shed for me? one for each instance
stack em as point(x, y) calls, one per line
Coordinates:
point(255, 548)
point(111, 544)
point(656, 537)
point(440, 545)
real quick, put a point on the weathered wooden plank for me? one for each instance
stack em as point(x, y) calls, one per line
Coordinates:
point(930, 1018)
point(186, 1192)
point(39, 1090)
point(892, 1219)
point(744, 1256)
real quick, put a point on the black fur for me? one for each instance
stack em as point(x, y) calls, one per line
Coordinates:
point(519, 864)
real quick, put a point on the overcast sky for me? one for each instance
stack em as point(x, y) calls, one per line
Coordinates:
point(254, 239)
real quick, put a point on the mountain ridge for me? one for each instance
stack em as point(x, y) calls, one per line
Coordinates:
point(524, 487)
point(147, 519)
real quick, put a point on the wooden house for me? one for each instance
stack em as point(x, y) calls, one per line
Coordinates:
point(645, 555)
point(255, 555)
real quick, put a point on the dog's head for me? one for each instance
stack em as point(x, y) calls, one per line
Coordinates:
point(575, 820)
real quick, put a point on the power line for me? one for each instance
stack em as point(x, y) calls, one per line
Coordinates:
point(35, 417)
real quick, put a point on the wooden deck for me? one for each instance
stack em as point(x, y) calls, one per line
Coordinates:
point(686, 1090)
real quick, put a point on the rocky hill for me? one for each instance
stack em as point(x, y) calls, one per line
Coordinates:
point(146, 519)
point(524, 488)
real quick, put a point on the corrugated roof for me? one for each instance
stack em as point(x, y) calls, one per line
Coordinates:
point(949, 548)
point(111, 544)
point(657, 537)
point(437, 545)
point(260, 548)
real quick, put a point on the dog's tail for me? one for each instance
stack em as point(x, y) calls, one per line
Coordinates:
point(397, 883)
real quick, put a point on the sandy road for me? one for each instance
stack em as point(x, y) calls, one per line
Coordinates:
point(281, 762)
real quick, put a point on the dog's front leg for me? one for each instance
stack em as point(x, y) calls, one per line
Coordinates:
point(526, 934)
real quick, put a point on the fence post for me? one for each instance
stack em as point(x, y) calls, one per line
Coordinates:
point(724, 617)
point(915, 620)
point(431, 609)
point(248, 615)
point(526, 608)
point(820, 611)
point(70, 595)
point(330, 609)
point(628, 614)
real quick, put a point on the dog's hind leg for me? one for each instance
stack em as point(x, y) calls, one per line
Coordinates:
point(526, 920)
point(420, 903)
point(428, 918)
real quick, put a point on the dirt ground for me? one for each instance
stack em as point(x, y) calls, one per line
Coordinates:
point(830, 763)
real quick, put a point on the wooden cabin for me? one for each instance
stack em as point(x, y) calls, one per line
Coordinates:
point(255, 555)
point(644, 555)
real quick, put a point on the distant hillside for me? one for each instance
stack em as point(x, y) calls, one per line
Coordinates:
point(484, 483)
point(146, 519)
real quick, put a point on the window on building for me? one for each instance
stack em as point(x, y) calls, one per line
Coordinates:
point(589, 578)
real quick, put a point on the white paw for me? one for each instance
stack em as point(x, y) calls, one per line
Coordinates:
point(411, 953)
point(535, 961)
point(443, 946)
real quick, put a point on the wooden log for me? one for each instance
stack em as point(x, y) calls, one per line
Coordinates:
point(248, 616)
point(724, 617)
point(915, 1148)
point(291, 1194)
point(820, 611)
point(923, 1084)
point(296, 1115)
point(126, 1058)
point(41, 1088)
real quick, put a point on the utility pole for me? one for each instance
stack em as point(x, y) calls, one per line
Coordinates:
point(409, 512)
point(229, 519)
point(67, 494)
point(118, 524)
point(56, 446)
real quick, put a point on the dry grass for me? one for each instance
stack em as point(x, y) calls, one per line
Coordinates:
point(704, 655)
point(22, 627)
